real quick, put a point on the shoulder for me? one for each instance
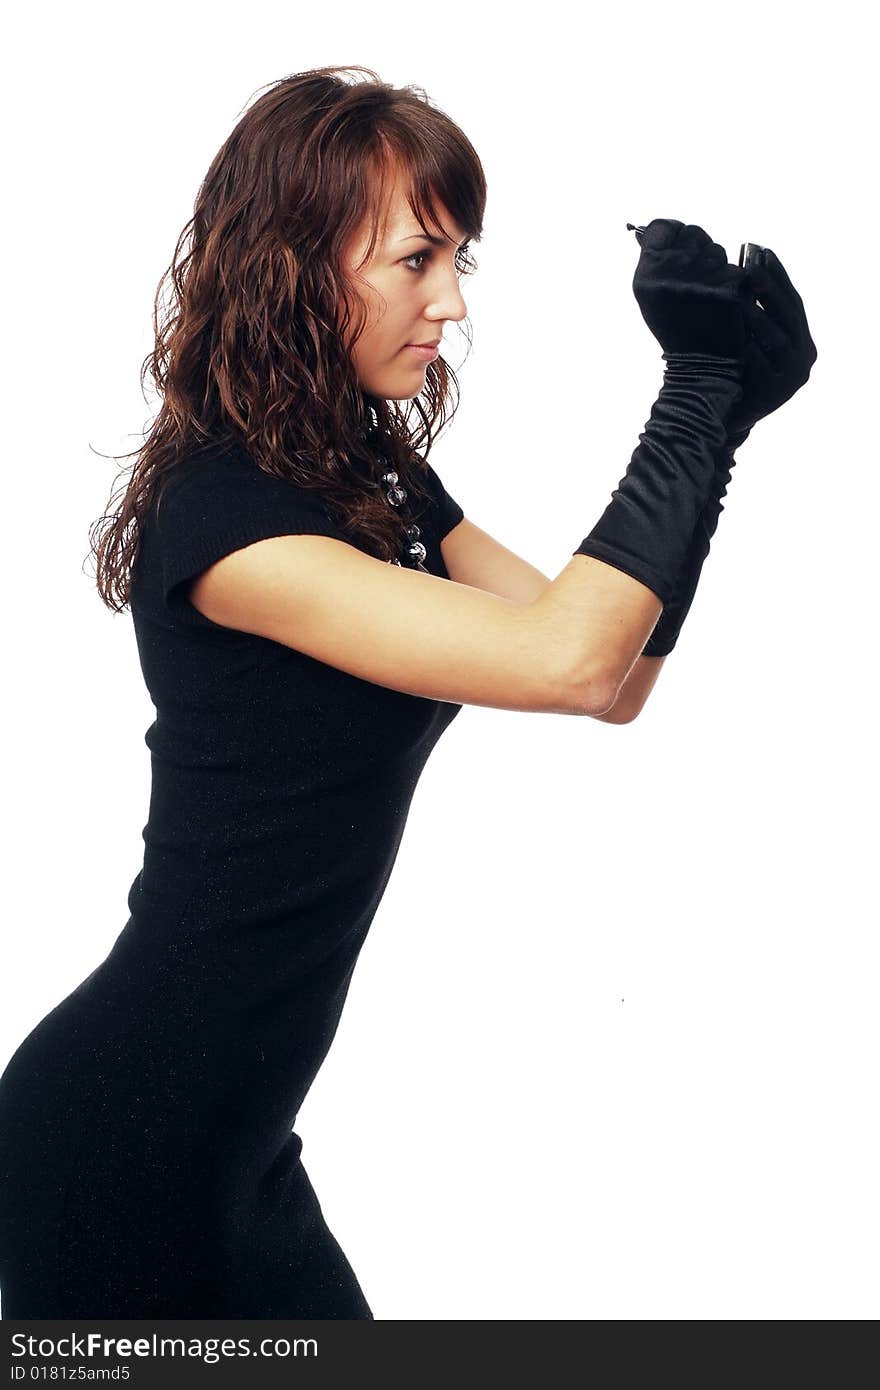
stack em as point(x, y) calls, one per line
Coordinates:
point(216, 500)
point(215, 475)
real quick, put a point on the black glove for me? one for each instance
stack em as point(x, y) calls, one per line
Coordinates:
point(779, 356)
point(669, 624)
point(690, 297)
point(780, 352)
point(693, 302)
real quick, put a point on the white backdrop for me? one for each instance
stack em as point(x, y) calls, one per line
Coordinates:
point(610, 1048)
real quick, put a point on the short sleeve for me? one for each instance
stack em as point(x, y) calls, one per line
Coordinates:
point(449, 513)
point(221, 503)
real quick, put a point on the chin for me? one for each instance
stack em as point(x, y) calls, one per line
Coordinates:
point(398, 385)
point(392, 392)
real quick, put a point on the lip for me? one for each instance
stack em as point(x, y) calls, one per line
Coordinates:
point(427, 351)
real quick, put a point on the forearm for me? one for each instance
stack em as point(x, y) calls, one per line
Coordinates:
point(646, 532)
point(634, 691)
point(640, 680)
point(600, 614)
point(666, 633)
point(643, 674)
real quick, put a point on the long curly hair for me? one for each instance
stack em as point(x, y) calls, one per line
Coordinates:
point(253, 351)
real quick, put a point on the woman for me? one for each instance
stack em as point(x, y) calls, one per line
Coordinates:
point(287, 555)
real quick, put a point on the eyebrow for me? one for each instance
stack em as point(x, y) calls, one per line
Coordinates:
point(434, 240)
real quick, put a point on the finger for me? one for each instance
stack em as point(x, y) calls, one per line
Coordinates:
point(780, 299)
point(771, 262)
point(713, 256)
point(770, 337)
point(693, 237)
point(775, 267)
point(660, 233)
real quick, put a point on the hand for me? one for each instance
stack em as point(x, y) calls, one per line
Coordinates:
point(779, 353)
point(692, 300)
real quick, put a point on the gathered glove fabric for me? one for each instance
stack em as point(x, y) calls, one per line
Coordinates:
point(668, 626)
point(779, 356)
point(693, 302)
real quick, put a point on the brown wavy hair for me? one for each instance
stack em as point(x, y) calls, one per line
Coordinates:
point(252, 350)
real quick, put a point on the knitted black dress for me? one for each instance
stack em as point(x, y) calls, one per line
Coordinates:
point(148, 1163)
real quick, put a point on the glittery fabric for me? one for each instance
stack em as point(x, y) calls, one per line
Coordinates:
point(148, 1162)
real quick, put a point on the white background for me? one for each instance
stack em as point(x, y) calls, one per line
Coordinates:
point(610, 1051)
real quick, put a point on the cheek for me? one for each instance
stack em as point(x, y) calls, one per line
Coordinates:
point(384, 334)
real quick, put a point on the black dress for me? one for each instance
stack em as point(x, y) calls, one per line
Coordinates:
point(148, 1164)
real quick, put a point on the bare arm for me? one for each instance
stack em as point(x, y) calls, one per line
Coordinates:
point(634, 691)
point(474, 557)
point(415, 632)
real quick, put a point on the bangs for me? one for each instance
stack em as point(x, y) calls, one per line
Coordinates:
point(431, 172)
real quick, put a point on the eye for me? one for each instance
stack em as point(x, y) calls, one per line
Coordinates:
point(460, 256)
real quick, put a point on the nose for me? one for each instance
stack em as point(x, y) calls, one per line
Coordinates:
point(450, 305)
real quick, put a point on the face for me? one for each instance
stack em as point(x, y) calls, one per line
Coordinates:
point(419, 284)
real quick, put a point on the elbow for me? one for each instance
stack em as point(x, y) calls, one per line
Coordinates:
point(603, 698)
point(616, 715)
point(625, 704)
point(587, 687)
point(591, 695)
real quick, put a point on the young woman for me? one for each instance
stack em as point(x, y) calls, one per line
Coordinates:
point(312, 609)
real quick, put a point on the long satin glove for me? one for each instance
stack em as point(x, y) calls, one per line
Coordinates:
point(780, 354)
point(668, 627)
point(647, 528)
point(693, 302)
